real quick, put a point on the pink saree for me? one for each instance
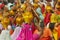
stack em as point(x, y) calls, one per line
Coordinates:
point(26, 33)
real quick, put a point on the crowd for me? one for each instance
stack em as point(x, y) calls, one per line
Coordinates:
point(30, 21)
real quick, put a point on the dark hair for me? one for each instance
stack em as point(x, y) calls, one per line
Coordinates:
point(42, 25)
point(11, 1)
point(51, 26)
point(58, 3)
point(5, 3)
point(22, 1)
point(52, 11)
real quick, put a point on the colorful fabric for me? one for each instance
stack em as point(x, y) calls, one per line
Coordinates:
point(58, 18)
point(57, 12)
point(36, 35)
point(28, 16)
point(58, 31)
point(26, 33)
point(38, 10)
point(1, 6)
point(5, 35)
point(55, 35)
point(9, 5)
point(53, 18)
point(16, 32)
point(47, 18)
point(46, 34)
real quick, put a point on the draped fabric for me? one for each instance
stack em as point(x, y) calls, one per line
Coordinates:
point(58, 18)
point(46, 34)
point(26, 33)
point(5, 35)
point(1, 6)
point(16, 33)
point(1, 26)
point(55, 35)
point(36, 35)
point(53, 18)
point(47, 18)
point(38, 10)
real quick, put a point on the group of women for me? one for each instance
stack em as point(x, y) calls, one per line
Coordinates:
point(26, 21)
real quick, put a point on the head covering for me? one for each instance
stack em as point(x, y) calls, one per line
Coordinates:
point(19, 20)
point(48, 8)
point(1, 6)
point(58, 4)
point(11, 12)
point(28, 16)
point(5, 22)
point(9, 5)
point(1, 17)
point(23, 6)
point(53, 18)
point(5, 14)
point(35, 5)
point(16, 33)
point(38, 10)
point(5, 35)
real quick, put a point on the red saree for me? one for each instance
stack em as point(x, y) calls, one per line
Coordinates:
point(47, 18)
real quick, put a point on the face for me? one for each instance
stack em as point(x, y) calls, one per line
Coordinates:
point(5, 9)
point(28, 8)
point(21, 9)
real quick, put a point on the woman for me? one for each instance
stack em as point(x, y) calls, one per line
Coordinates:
point(47, 14)
point(5, 35)
point(46, 33)
point(53, 18)
point(54, 31)
point(26, 32)
point(17, 31)
point(58, 29)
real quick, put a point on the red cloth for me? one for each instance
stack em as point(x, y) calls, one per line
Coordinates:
point(11, 19)
point(33, 27)
point(47, 18)
point(43, 9)
point(58, 31)
point(11, 32)
point(45, 38)
point(57, 12)
point(1, 6)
